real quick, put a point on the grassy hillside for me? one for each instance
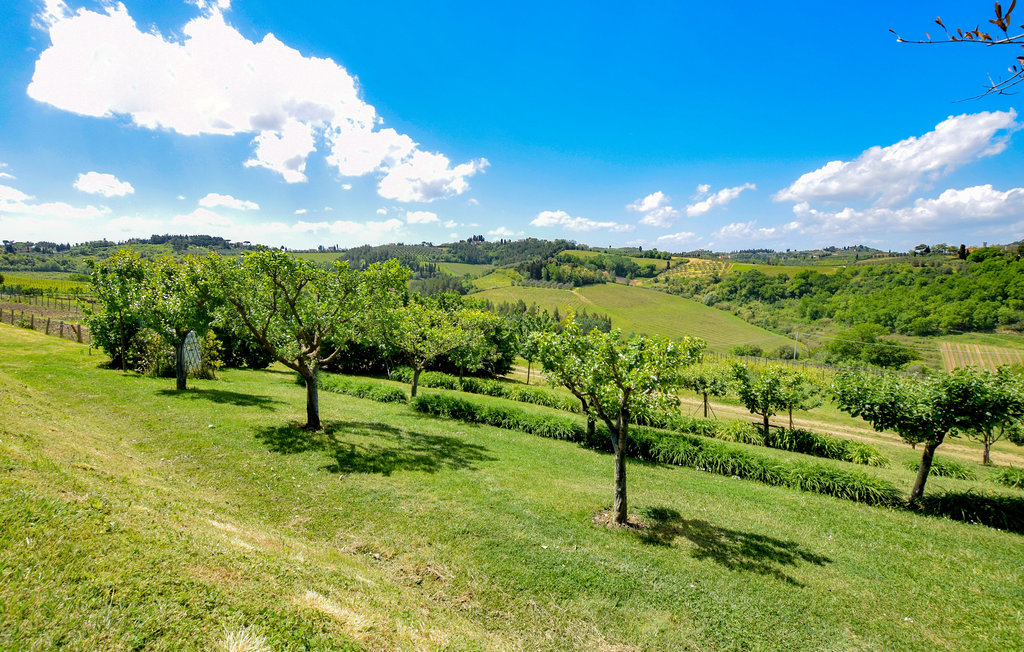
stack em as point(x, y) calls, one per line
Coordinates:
point(640, 310)
point(775, 270)
point(137, 517)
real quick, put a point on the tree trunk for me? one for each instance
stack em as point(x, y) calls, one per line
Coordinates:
point(619, 507)
point(179, 363)
point(790, 418)
point(312, 400)
point(765, 424)
point(124, 344)
point(705, 405)
point(591, 428)
point(922, 472)
point(415, 382)
point(529, 363)
point(986, 459)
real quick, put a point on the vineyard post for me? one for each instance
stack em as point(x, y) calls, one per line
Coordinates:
point(32, 318)
point(62, 328)
point(47, 325)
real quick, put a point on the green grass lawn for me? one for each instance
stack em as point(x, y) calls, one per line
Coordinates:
point(639, 310)
point(137, 517)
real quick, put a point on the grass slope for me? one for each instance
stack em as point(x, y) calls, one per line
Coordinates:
point(640, 310)
point(137, 517)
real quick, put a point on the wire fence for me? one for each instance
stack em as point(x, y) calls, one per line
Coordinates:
point(56, 327)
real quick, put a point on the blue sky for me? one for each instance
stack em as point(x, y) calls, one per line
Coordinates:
point(661, 124)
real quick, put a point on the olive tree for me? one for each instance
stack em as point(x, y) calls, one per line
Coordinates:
point(302, 313)
point(993, 409)
point(425, 330)
point(919, 410)
point(118, 284)
point(763, 393)
point(178, 300)
point(614, 378)
point(708, 379)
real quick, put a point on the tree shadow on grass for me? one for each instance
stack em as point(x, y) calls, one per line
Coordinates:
point(224, 397)
point(389, 450)
point(734, 549)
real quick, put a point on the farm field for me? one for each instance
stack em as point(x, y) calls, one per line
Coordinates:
point(639, 310)
point(140, 517)
point(775, 270)
point(964, 354)
point(466, 269)
point(44, 281)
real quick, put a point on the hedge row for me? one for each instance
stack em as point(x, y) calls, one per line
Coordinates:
point(796, 441)
point(675, 448)
point(361, 388)
point(489, 387)
point(994, 510)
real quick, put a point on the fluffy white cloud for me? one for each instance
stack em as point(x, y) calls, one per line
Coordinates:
point(213, 80)
point(977, 205)
point(107, 185)
point(681, 240)
point(427, 176)
point(652, 201)
point(720, 198)
point(5, 175)
point(570, 223)
point(301, 211)
point(214, 199)
point(421, 217)
point(889, 174)
point(14, 203)
point(382, 211)
point(656, 210)
point(504, 232)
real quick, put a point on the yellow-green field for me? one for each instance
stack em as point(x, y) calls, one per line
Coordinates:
point(639, 310)
point(36, 280)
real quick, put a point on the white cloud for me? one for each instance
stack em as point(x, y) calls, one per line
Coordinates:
point(889, 174)
point(702, 189)
point(107, 185)
point(213, 80)
point(353, 233)
point(421, 217)
point(427, 176)
point(213, 200)
point(382, 211)
point(720, 198)
point(747, 231)
point(473, 202)
point(569, 223)
point(203, 220)
point(4, 175)
point(656, 210)
point(301, 211)
point(976, 205)
point(181, 197)
point(450, 224)
point(346, 186)
point(503, 232)
point(649, 203)
point(14, 203)
point(681, 240)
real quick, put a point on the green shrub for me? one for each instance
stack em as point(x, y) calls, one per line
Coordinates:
point(367, 389)
point(742, 432)
point(439, 380)
point(500, 416)
point(1011, 477)
point(994, 510)
point(945, 468)
point(402, 374)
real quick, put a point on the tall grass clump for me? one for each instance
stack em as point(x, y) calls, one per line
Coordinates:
point(501, 416)
point(946, 468)
point(1011, 477)
point(817, 444)
point(489, 387)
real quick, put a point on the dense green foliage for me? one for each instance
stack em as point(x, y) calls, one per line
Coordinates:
point(1011, 477)
point(932, 296)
